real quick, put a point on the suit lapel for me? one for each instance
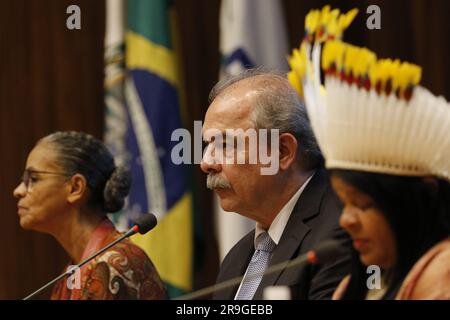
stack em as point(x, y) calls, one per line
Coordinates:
point(306, 208)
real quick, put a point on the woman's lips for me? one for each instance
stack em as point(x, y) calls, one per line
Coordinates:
point(21, 210)
point(361, 244)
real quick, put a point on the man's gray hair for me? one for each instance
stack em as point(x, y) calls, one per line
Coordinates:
point(278, 107)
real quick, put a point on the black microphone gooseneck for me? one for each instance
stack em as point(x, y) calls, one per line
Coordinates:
point(326, 251)
point(142, 225)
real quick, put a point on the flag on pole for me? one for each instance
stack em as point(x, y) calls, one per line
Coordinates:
point(115, 114)
point(139, 129)
point(252, 34)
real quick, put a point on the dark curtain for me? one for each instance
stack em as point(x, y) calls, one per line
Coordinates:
point(411, 30)
point(52, 79)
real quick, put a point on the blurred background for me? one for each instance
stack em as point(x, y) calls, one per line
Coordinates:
point(135, 71)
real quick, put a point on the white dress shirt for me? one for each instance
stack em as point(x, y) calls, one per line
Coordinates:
point(279, 223)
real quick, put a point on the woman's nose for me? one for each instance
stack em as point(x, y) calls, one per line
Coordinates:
point(349, 219)
point(20, 191)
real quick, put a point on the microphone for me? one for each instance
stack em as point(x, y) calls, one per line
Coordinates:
point(142, 225)
point(325, 252)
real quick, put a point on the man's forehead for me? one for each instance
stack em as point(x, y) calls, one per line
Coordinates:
point(235, 101)
point(231, 109)
point(232, 130)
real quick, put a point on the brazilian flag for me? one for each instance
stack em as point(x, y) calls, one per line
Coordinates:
point(152, 95)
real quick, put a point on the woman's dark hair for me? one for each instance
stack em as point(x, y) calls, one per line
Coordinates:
point(81, 153)
point(418, 211)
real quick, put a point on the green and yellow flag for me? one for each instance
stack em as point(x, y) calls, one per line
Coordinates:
point(140, 129)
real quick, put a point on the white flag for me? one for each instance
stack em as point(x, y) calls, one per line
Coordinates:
point(252, 34)
point(115, 112)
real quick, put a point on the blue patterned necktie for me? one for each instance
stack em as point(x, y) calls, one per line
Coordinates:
point(258, 264)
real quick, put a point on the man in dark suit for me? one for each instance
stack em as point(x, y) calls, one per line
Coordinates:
point(294, 206)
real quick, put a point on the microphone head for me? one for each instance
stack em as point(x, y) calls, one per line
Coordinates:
point(146, 223)
point(326, 251)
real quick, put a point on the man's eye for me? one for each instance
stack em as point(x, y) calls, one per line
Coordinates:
point(33, 179)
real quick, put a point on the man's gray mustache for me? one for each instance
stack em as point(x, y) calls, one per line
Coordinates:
point(214, 180)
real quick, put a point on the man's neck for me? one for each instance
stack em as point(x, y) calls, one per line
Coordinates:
point(286, 189)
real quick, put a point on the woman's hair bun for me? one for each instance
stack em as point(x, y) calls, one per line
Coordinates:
point(116, 189)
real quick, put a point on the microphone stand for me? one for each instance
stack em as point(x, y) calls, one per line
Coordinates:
point(237, 280)
point(72, 270)
point(326, 251)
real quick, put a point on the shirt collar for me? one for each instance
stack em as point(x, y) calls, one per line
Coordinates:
point(279, 223)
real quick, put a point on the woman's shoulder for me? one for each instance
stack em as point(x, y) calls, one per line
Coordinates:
point(430, 276)
point(127, 256)
point(129, 266)
point(127, 247)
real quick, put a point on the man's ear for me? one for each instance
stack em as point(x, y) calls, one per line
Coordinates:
point(77, 188)
point(288, 150)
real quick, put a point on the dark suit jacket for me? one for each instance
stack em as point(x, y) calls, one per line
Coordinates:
point(314, 219)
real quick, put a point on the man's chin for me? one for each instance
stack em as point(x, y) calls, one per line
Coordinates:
point(227, 204)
